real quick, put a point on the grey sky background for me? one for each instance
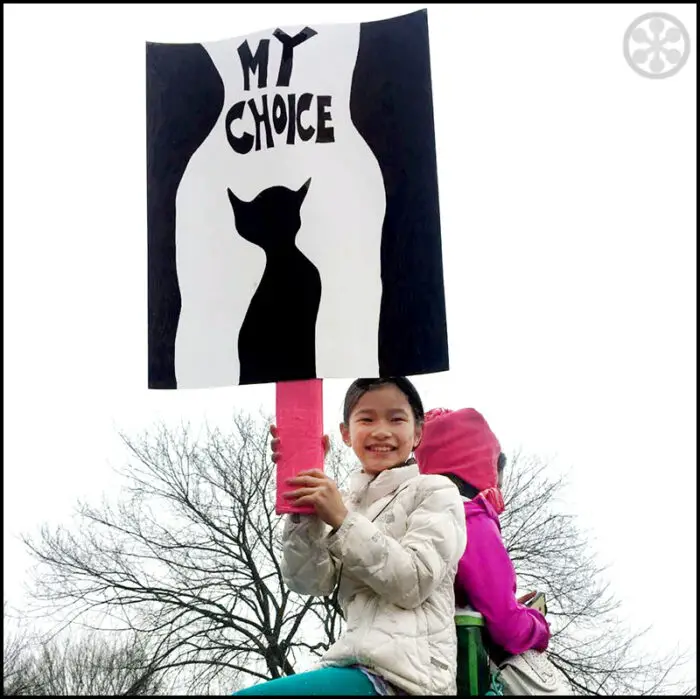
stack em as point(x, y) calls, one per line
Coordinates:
point(567, 193)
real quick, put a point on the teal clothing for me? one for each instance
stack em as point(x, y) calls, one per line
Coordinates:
point(328, 681)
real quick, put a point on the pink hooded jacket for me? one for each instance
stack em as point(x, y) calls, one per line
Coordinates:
point(462, 444)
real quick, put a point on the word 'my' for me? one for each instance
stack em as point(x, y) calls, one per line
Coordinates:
point(281, 113)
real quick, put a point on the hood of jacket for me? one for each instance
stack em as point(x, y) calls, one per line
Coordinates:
point(459, 442)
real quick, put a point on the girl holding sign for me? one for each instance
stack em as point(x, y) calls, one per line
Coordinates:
point(390, 547)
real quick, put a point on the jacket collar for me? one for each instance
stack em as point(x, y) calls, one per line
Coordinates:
point(368, 489)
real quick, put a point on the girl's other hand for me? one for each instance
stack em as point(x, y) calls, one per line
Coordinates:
point(274, 443)
point(526, 597)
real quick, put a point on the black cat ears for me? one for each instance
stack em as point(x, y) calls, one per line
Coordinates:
point(304, 188)
point(233, 198)
point(301, 191)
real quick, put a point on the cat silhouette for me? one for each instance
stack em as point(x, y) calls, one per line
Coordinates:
point(277, 340)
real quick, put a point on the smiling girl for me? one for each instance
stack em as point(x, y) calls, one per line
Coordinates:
point(390, 545)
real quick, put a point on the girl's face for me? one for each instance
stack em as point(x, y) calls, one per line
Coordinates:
point(382, 429)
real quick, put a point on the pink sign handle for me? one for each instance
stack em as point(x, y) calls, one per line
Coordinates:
point(299, 409)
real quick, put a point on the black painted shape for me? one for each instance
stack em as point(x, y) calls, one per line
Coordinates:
point(251, 63)
point(184, 98)
point(391, 106)
point(289, 43)
point(277, 340)
point(325, 133)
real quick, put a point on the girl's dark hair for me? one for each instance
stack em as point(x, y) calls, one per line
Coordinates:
point(359, 387)
point(467, 489)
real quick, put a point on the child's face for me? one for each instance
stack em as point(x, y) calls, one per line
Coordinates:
point(382, 429)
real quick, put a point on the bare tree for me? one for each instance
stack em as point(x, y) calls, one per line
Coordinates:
point(190, 558)
point(590, 644)
point(16, 658)
point(92, 664)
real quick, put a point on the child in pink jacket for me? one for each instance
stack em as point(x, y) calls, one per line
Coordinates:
point(460, 445)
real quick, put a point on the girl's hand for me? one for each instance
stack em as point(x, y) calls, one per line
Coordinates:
point(321, 492)
point(526, 597)
point(275, 444)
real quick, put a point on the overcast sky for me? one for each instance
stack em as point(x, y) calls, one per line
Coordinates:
point(567, 195)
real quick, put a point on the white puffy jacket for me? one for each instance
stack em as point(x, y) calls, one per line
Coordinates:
point(396, 585)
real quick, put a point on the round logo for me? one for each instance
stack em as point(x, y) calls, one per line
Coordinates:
point(656, 45)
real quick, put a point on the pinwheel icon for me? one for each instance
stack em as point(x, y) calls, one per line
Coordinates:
point(656, 45)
